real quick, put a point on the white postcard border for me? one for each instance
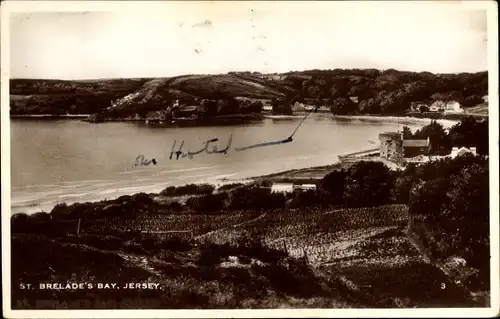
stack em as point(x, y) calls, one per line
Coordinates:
point(31, 6)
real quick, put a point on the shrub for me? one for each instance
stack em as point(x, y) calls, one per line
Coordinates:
point(176, 244)
point(297, 279)
point(142, 198)
point(255, 197)
point(331, 187)
point(20, 223)
point(188, 189)
point(229, 186)
point(175, 206)
point(453, 196)
point(60, 210)
point(40, 217)
point(305, 199)
point(169, 191)
point(368, 184)
point(208, 202)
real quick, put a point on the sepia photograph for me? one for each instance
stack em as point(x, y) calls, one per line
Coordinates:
point(334, 158)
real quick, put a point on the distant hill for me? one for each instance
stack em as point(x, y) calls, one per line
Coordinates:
point(33, 96)
point(354, 91)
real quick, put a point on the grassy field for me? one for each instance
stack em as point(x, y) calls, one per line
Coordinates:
point(195, 224)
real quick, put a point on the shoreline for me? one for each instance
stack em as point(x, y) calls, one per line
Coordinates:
point(304, 174)
point(263, 115)
point(391, 118)
point(181, 120)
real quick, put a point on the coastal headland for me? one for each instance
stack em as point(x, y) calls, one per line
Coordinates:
point(204, 98)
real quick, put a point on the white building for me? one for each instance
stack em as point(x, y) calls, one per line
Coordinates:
point(417, 159)
point(453, 107)
point(485, 98)
point(304, 187)
point(455, 151)
point(297, 106)
point(290, 187)
point(267, 106)
point(434, 108)
point(437, 106)
point(282, 188)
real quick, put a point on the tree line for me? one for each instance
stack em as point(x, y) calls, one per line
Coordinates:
point(385, 92)
point(469, 132)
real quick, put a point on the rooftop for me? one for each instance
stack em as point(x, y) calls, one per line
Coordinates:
point(187, 108)
point(415, 143)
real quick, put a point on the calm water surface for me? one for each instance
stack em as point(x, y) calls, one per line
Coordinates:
point(70, 161)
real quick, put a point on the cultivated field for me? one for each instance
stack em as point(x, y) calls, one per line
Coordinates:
point(364, 250)
point(350, 257)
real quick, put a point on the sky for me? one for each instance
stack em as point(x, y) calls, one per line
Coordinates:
point(170, 38)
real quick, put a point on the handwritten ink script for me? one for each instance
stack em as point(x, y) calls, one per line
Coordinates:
point(213, 149)
point(140, 160)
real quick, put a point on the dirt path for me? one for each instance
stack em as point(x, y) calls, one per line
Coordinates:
point(229, 227)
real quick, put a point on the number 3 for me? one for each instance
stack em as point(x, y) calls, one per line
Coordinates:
point(443, 285)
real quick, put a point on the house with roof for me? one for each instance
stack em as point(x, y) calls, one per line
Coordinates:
point(185, 111)
point(418, 106)
point(291, 187)
point(419, 159)
point(298, 106)
point(267, 106)
point(304, 187)
point(354, 99)
point(282, 188)
point(453, 107)
point(156, 116)
point(437, 106)
point(395, 148)
point(415, 147)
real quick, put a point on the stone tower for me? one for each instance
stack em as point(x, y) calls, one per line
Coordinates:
point(391, 146)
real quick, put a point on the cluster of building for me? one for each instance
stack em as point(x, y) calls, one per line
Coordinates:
point(175, 111)
point(437, 107)
point(394, 148)
point(291, 187)
point(273, 77)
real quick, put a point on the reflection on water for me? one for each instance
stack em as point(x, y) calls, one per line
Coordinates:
point(72, 161)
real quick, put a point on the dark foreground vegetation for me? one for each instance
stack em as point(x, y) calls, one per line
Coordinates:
point(191, 276)
point(244, 246)
point(388, 92)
